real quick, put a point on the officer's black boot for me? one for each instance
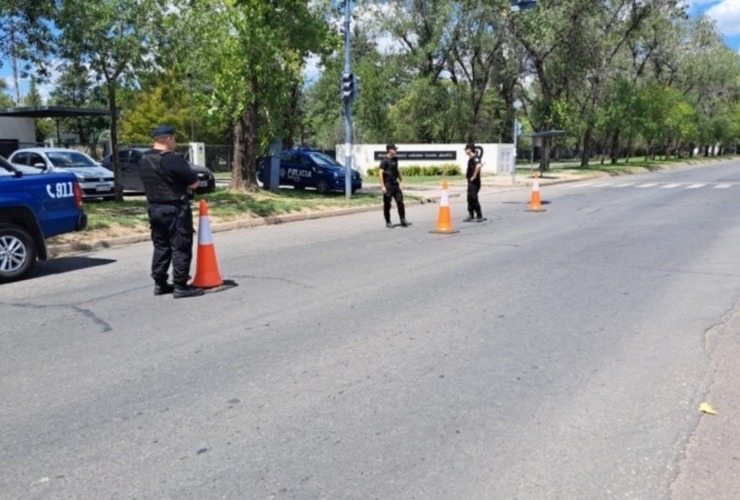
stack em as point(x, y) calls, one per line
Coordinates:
point(182, 291)
point(163, 288)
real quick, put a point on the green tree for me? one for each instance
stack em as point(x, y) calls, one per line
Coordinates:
point(115, 39)
point(253, 51)
point(5, 100)
point(26, 38)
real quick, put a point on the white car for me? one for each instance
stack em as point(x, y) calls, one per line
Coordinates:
point(95, 180)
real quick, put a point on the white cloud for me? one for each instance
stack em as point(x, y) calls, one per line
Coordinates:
point(727, 16)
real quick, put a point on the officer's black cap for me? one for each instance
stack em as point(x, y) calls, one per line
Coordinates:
point(470, 147)
point(390, 146)
point(163, 130)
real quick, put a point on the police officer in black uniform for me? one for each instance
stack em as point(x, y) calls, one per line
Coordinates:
point(473, 175)
point(168, 181)
point(390, 177)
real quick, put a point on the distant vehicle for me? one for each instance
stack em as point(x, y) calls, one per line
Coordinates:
point(95, 180)
point(128, 159)
point(32, 209)
point(305, 167)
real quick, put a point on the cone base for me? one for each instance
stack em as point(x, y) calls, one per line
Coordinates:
point(444, 231)
point(207, 282)
point(207, 274)
point(535, 210)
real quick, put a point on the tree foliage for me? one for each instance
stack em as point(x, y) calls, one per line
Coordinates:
point(617, 76)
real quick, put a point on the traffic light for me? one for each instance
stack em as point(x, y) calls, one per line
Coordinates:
point(356, 94)
point(348, 86)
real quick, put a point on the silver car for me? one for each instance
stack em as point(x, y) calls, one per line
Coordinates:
point(128, 159)
point(95, 180)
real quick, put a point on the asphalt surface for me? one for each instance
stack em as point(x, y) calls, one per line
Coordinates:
point(561, 354)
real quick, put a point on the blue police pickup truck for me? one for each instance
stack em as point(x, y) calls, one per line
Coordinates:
point(34, 207)
point(305, 167)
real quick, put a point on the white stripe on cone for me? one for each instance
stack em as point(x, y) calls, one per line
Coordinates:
point(205, 237)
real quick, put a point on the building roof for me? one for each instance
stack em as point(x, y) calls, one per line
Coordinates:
point(53, 112)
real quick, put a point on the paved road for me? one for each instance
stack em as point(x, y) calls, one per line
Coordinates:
point(561, 354)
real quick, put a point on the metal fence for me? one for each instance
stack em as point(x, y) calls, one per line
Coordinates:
point(218, 157)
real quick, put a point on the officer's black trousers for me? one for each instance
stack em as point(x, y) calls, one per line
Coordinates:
point(473, 204)
point(172, 236)
point(393, 192)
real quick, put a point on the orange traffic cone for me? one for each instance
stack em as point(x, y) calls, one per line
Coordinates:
point(535, 203)
point(444, 220)
point(206, 269)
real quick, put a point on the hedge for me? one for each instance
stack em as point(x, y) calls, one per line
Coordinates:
point(447, 169)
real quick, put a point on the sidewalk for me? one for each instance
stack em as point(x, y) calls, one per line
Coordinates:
point(489, 183)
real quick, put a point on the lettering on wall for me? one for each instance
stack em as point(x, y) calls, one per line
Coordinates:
point(419, 155)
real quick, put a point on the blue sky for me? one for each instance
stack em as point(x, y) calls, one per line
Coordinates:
point(726, 13)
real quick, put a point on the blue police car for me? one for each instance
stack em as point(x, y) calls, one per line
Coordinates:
point(305, 167)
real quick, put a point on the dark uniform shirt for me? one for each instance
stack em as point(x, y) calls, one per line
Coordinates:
point(389, 166)
point(166, 176)
point(472, 164)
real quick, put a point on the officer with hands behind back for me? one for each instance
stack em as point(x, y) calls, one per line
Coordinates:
point(168, 183)
point(390, 177)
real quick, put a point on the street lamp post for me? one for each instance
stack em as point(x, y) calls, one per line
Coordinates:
point(518, 5)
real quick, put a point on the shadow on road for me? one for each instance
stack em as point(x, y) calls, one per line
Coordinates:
point(61, 265)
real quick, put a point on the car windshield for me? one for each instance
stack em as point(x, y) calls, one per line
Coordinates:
point(5, 167)
point(324, 160)
point(70, 159)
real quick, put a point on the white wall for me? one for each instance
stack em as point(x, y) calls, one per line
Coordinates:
point(497, 158)
point(23, 129)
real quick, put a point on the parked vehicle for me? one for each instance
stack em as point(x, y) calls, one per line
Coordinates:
point(32, 209)
point(128, 159)
point(305, 167)
point(95, 180)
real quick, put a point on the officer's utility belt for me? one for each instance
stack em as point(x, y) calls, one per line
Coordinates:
point(173, 203)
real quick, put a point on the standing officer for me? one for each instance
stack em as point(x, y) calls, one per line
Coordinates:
point(168, 179)
point(473, 176)
point(390, 177)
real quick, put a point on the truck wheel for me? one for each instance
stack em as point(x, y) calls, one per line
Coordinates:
point(322, 186)
point(17, 252)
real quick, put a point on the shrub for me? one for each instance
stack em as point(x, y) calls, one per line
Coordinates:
point(447, 169)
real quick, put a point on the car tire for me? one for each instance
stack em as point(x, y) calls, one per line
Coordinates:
point(17, 252)
point(322, 186)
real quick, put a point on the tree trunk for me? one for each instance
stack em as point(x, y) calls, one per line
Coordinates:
point(244, 165)
point(614, 149)
point(118, 185)
point(545, 154)
point(587, 145)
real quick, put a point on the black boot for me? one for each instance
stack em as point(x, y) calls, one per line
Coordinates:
point(182, 291)
point(163, 288)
